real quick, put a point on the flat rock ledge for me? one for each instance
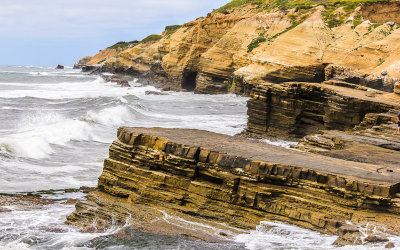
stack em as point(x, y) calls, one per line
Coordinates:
point(203, 176)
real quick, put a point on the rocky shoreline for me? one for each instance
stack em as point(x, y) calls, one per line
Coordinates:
point(335, 91)
point(196, 175)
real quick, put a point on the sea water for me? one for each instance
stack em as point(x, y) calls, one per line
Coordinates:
point(55, 130)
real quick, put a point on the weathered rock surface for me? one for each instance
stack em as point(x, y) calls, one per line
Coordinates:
point(397, 88)
point(25, 202)
point(374, 140)
point(82, 62)
point(255, 45)
point(299, 109)
point(199, 175)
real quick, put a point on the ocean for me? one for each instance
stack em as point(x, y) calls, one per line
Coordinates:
point(55, 130)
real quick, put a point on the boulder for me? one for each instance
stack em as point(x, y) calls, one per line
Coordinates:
point(59, 66)
point(390, 245)
point(375, 239)
point(397, 88)
point(82, 62)
point(4, 210)
point(155, 93)
point(124, 84)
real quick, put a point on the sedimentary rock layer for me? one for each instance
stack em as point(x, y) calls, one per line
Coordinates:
point(374, 140)
point(270, 44)
point(237, 181)
point(298, 109)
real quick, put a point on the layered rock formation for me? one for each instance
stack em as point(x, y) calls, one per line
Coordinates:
point(374, 140)
point(270, 43)
point(196, 175)
point(82, 62)
point(298, 109)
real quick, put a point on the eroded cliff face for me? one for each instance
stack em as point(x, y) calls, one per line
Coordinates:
point(297, 109)
point(252, 46)
point(196, 175)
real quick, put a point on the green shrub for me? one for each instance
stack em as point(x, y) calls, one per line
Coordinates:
point(171, 30)
point(123, 45)
point(256, 42)
point(237, 3)
point(151, 38)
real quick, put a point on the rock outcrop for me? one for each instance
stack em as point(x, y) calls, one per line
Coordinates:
point(298, 109)
point(82, 62)
point(270, 43)
point(374, 140)
point(196, 175)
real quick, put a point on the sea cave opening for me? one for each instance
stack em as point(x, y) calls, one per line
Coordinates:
point(189, 81)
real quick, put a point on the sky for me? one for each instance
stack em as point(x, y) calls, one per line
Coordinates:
point(51, 32)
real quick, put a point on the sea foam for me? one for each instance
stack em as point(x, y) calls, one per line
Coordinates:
point(40, 130)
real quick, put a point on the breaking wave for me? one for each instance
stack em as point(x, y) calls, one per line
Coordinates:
point(40, 130)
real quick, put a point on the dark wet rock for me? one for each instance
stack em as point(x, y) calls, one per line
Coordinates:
point(117, 78)
point(82, 62)
point(390, 245)
point(155, 93)
point(93, 69)
point(59, 66)
point(71, 202)
point(85, 189)
point(24, 201)
point(4, 210)
point(135, 239)
point(375, 239)
point(124, 84)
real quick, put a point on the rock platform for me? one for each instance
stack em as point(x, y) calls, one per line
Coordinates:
point(213, 178)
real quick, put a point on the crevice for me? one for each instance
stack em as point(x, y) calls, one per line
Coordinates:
point(189, 80)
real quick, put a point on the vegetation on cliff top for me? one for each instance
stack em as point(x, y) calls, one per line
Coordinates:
point(151, 38)
point(298, 4)
point(123, 45)
point(169, 30)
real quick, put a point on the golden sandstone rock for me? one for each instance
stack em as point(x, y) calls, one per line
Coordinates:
point(325, 81)
point(198, 174)
point(255, 45)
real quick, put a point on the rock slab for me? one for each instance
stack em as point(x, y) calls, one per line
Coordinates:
point(197, 175)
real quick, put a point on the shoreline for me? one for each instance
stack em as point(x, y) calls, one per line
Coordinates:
point(161, 168)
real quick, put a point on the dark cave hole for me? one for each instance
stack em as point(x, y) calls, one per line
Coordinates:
point(189, 81)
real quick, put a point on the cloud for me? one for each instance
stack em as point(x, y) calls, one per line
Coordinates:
point(47, 32)
point(73, 18)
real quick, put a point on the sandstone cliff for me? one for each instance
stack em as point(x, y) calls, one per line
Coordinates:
point(197, 175)
point(240, 45)
point(296, 109)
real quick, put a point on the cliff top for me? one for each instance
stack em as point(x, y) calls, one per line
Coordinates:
point(256, 150)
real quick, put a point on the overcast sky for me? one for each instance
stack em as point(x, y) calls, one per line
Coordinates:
point(51, 32)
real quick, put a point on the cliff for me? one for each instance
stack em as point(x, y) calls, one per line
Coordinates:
point(195, 175)
point(296, 109)
point(319, 71)
point(249, 42)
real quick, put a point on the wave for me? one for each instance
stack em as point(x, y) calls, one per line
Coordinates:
point(71, 90)
point(40, 130)
point(280, 143)
point(277, 235)
point(111, 116)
